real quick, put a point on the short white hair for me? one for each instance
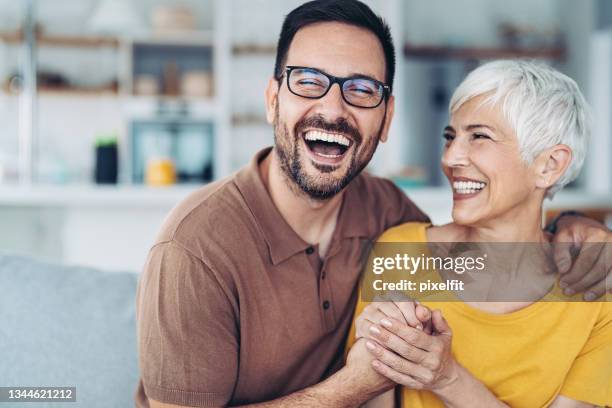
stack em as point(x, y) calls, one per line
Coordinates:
point(542, 105)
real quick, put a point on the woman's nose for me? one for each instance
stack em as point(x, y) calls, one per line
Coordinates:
point(457, 154)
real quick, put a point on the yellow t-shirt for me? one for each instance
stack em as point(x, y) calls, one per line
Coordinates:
point(528, 357)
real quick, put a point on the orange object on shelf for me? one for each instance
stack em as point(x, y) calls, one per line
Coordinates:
point(160, 172)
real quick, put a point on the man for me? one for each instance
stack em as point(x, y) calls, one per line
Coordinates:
point(248, 293)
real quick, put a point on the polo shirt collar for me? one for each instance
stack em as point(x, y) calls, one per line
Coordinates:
point(355, 216)
point(282, 241)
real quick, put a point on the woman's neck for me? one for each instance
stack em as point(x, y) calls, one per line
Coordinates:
point(522, 223)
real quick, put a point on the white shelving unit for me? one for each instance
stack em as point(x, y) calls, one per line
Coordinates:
point(214, 109)
point(79, 224)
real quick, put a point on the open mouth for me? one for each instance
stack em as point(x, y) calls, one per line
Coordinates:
point(465, 188)
point(327, 147)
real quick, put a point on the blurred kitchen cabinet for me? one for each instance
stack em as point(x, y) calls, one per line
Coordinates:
point(170, 66)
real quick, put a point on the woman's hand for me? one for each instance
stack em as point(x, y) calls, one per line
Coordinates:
point(412, 357)
point(408, 312)
point(423, 361)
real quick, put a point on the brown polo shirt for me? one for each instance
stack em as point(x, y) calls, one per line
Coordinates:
point(235, 308)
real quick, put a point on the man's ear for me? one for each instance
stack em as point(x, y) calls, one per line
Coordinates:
point(271, 97)
point(390, 110)
point(551, 164)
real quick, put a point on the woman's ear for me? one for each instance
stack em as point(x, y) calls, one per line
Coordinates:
point(271, 99)
point(551, 164)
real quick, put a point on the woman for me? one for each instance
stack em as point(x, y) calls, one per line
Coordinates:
point(517, 135)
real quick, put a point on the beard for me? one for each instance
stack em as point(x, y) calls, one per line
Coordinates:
point(324, 185)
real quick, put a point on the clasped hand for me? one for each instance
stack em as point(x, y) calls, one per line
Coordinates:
point(410, 344)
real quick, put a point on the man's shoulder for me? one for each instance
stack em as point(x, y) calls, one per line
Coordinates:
point(379, 193)
point(369, 184)
point(205, 212)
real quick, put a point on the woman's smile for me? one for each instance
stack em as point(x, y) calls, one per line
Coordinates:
point(465, 188)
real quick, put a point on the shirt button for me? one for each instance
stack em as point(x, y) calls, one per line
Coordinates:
point(309, 250)
point(326, 305)
point(323, 275)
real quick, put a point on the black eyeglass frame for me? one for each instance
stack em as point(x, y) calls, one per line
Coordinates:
point(336, 80)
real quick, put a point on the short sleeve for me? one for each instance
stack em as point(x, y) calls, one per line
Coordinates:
point(590, 377)
point(187, 330)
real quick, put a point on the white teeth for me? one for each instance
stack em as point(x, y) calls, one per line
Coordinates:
point(327, 137)
point(468, 187)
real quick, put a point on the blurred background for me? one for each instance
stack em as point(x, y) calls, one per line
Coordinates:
point(112, 111)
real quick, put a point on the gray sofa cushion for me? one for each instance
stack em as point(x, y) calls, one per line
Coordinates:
point(68, 326)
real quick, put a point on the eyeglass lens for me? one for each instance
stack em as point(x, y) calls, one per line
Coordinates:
point(311, 83)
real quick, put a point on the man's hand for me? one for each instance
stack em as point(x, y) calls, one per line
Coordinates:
point(590, 272)
point(364, 377)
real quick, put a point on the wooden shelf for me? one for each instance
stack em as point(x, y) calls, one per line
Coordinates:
point(63, 41)
point(249, 120)
point(170, 107)
point(71, 90)
point(478, 53)
point(74, 90)
point(177, 38)
point(435, 52)
point(253, 49)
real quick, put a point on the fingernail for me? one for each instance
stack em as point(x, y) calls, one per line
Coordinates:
point(569, 292)
point(374, 329)
point(563, 284)
point(589, 296)
point(419, 326)
point(386, 323)
point(371, 346)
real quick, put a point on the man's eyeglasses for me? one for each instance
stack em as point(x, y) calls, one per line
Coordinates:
point(356, 91)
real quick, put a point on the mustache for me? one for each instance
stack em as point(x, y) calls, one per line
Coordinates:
point(341, 125)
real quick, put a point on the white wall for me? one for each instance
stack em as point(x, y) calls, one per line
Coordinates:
point(68, 127)
point(472, 22)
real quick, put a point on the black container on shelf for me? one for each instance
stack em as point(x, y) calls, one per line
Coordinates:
point(107, 162)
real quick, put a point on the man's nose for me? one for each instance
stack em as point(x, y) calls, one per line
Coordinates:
point(332, 105)
point(457, 154)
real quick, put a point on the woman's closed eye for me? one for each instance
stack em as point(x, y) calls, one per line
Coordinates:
point(448, 137)
point(481, 136)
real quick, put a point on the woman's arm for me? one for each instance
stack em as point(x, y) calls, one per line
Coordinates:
point(468, 391)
